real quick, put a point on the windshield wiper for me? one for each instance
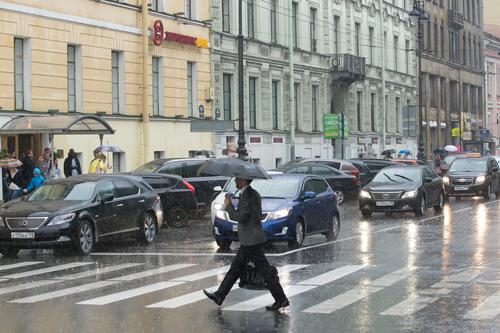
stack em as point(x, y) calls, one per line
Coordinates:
point(406, 178)
point(273, 197)
point(392, 180)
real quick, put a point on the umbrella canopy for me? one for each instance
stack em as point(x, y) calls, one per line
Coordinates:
point(10, 163)
point(405, 151)
point(451, 148)
point(109, 149)
point(388, 152)
point(233, 167)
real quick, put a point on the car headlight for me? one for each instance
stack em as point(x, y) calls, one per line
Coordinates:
point(446, 180)
point(219, 206)
point(60, 219)
point(279, 214)
point(222, 214)
point(480, 179)
point(365, 194)
point(410, 194)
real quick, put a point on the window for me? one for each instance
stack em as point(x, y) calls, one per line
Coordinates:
point(436, 40)
point(107, 188)
point(274, 94)
point(296, 104)
point(398, 115)
point(357, 27)
point(336, 34)
point(155, 5)
point(226, 19)
point(464, 48)
point(118, 162)
point(396, 52)
point(125, 188)
point(312, 29)
point(295, 24)
point(192, 168)
point(442, 42)
point(190, 9)
point(443, 93)
point(407, 57)
point(250, 18)
point(157, 154)
point(71, 50)
point(274, 25)
point(157, 86)
point(118, 81)
point(226, 92)
point(173, 168)
point(358, 110)
point(386, 113)
point(192, 86)
point(372, 112)
point(252, 102)
point(314, 108)
point(370, 42)
point(429, 36)
point(19, 73)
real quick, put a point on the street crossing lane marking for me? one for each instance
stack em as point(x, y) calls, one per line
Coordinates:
point(198, 295)
point(151, 272)
point(20, 264)
point(47, 270)
point(64, 292)
point(127, 294)
point(333, 275)
point(97, 271)
point(423, 298)
point(489, 309)
point(356, 294)
point(202, 275)
point(25, 286)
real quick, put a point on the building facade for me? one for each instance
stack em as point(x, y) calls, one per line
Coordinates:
point(87, 58)
point(492, 67)
point(453, 77)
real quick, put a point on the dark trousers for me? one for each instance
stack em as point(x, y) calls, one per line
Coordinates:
point(256, 255)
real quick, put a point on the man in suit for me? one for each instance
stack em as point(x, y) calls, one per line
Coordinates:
point(251, 237)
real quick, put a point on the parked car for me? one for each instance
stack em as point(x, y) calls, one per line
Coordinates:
point(80, 212)
point(473, 176)
point(345, 186)
point(177, 197)
point(341, 165)
point(188, 168)
point(375, 164)
point(293, 207)
point(365, 176)
point(407, 161)
point(402, 189)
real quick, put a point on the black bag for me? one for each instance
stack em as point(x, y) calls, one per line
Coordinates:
point(252, 279)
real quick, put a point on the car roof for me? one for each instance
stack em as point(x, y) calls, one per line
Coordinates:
point(157, 175)
point(180, 159)
point(93, 178)
point(406, 166)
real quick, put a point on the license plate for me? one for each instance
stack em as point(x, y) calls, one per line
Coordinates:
point(22, 235)
point(461, 188)
point(385, 203)
point(235, 228)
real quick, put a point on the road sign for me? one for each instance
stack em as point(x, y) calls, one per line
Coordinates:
point(455, 132)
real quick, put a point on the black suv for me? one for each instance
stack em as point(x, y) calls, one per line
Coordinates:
point(473, 176)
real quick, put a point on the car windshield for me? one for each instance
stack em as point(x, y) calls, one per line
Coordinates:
point(397, 175)
point(277, 188)
point(149, 167)
point(468, 165)
point(64, 191)
point(449, 159)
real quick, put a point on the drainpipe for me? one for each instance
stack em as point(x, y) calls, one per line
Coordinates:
point(292, 84)
point(382, 57)
point(145, 67)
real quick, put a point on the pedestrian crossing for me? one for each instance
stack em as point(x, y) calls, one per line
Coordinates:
point(92, 284)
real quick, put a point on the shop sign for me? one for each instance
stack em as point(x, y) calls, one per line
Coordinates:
point(332, 126)
point(277, 140)
point(467, 136)
point(484, 134)
point(455, 132)
point(255, 139)
point(159, 34)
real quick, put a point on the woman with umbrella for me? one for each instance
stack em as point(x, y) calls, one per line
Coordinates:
point(13, 178)
point(98, 165)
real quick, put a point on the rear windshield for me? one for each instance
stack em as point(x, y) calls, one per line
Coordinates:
point(149, 167)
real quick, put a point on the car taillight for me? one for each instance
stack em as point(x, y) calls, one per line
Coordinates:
point(190, 187)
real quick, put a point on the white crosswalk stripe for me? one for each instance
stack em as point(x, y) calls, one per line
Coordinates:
point(198, 295)
point(20, 264)
point(332, 275)
point(151, 272)
point(26, 286)
point(47, 270)
point(97, 272)
point(489, 309)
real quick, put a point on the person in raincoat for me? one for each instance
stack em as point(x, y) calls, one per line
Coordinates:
point(97, 165)
point(36, 181)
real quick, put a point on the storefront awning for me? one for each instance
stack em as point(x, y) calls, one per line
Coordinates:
point(56, 124)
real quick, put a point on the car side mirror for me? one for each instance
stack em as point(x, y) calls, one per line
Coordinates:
point(309, 195)
point(217, 189)
point(428, 179)
point(108, 197)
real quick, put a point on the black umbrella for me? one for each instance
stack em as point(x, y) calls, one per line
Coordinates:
point(233, 167)
point(388, 152)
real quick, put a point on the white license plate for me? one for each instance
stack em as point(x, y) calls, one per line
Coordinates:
point(385, 203)
point(461, 188)
point(235, 228)
point(22, 235)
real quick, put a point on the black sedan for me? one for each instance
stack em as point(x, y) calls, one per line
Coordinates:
point(473, 176)
point(345, 186)
point(402, 189)
point(80, 212)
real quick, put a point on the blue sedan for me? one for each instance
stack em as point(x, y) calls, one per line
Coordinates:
point(293, 206)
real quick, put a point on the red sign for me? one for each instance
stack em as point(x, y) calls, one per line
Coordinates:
point(254, 139)
point(159, 35)
point(278, 140)
point(158, 32)
point(183, 39)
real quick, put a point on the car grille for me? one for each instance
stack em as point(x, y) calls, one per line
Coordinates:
point(462, 181)
point(25, 223)
point(386, 195)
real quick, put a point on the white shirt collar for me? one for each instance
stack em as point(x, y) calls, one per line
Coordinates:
point(243, 189)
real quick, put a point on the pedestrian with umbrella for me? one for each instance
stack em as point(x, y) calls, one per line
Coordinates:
point(13, 178)
point(250, 233)
point(97, 165)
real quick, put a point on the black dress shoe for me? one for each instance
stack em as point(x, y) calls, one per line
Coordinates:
point(214, 297)
point(278, 305)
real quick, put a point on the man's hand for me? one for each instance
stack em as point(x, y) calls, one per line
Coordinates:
point(227, 200)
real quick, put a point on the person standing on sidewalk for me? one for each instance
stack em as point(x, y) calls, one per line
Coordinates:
point(252, 238)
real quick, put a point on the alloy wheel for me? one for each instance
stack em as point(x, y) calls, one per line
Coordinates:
point(149, 228)
point(340, 197)
point(299, 233)
point(86, 238)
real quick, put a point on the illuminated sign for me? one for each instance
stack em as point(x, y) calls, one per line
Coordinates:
point(159, 35)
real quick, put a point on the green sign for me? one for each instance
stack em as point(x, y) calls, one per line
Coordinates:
point(332, 127)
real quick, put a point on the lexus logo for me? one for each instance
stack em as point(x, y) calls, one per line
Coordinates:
point(24, 223)
point(386, 196)
point(461, 180)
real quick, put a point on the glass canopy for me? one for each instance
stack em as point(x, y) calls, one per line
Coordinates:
point(57, 124)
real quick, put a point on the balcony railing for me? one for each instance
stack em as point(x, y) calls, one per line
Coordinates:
point(455, 19)
point(348, 68)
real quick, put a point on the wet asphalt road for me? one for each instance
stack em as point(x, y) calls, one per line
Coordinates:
point(439, 273)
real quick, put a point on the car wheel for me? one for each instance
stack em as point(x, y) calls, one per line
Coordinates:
point(487, 195)
point(224, 244)
point(440, 205)
point(334, 229)
point(148, 229)
point(340, 197)
point(299, 235)
point(84, 238)
point(421, 207)
point(177, 217)
point(366, 213)
point(9, 251)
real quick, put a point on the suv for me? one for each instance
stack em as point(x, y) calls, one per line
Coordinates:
point(188, 168)
point(341, 165)
point(375, 164)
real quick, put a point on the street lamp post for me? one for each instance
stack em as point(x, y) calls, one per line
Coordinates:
point(421, 15)
point(242, 151)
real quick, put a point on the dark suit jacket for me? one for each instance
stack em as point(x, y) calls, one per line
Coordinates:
point(248, 216)
point(68, 168)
